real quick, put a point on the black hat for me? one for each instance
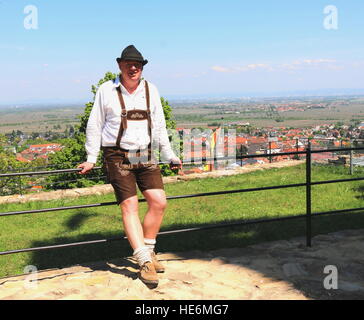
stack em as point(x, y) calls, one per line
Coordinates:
point(131, 53)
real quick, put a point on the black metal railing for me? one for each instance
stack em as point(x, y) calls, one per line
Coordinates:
point(307, 184)
point(23, 185)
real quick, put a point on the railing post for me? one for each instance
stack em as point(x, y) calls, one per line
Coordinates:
point(308, 195)
point(351, 158)
point(20, 186)
point(241, 154)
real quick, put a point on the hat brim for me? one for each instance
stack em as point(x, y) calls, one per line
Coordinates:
point(144, 62)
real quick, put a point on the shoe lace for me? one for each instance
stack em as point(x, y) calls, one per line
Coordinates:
point(146, 266)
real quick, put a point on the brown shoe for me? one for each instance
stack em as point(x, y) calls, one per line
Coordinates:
point(157, 265)
point(148, 274)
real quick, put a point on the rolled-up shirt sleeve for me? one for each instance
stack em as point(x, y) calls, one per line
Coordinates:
point(160, 134)
point(94, 128)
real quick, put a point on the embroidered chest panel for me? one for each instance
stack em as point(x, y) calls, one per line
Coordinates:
point(137, 115)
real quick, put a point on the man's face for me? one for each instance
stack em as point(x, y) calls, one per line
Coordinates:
point(131, 70)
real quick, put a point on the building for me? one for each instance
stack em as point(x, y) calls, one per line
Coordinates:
point(38, 151)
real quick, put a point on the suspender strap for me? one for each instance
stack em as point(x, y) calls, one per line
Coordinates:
point(123, 123)
point(148, 112)
point(147, 96)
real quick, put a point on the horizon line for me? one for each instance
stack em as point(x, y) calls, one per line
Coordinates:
point(204, 97)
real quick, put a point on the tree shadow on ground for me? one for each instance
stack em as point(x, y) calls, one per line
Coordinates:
point(197, 244)
point(360, 189)
point(78, 219)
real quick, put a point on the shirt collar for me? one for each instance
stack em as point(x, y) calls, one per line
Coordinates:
point(117, 83)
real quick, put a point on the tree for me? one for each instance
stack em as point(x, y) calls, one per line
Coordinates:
point(167, 110)
point(173, 135)
point(81, 128)
point(8, 163)
point(3, 142)
point(35, 135)
point(74, 152)
point(71, 131)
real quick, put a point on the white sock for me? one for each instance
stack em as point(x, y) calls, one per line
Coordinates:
point(150, 243)
point(142, 255)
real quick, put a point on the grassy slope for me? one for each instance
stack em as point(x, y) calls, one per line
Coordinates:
point(42, 229)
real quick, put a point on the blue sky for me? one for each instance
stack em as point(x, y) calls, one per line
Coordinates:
point(194, 48)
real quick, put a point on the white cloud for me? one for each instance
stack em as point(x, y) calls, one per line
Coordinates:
point(254, 66)
point(300, 64)
point(11, 47)
point(318, 61)
point(220, 69)
point(249, 67)
point(291, 67)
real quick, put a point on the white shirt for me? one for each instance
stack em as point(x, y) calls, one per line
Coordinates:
point(104, 121)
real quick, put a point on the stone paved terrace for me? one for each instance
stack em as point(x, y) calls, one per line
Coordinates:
point(280, 270)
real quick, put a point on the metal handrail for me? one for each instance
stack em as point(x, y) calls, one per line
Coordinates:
point(202, 159)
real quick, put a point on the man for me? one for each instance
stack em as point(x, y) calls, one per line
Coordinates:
point(126, 120)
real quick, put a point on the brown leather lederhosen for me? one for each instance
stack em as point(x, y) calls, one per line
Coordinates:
point(123, 174)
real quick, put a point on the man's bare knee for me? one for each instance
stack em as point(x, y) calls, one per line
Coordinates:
point(159, 204)
point(129, 206)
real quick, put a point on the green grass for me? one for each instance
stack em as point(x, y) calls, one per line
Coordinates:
point(41, 229)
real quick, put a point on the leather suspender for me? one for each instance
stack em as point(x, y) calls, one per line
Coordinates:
point(124, 113)
point(149, 117)
point(123, 123)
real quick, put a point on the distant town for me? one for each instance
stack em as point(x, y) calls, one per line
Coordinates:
point(266, 125)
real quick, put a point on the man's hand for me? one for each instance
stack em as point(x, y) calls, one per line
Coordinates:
point(86, 167)
point(175, 164)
